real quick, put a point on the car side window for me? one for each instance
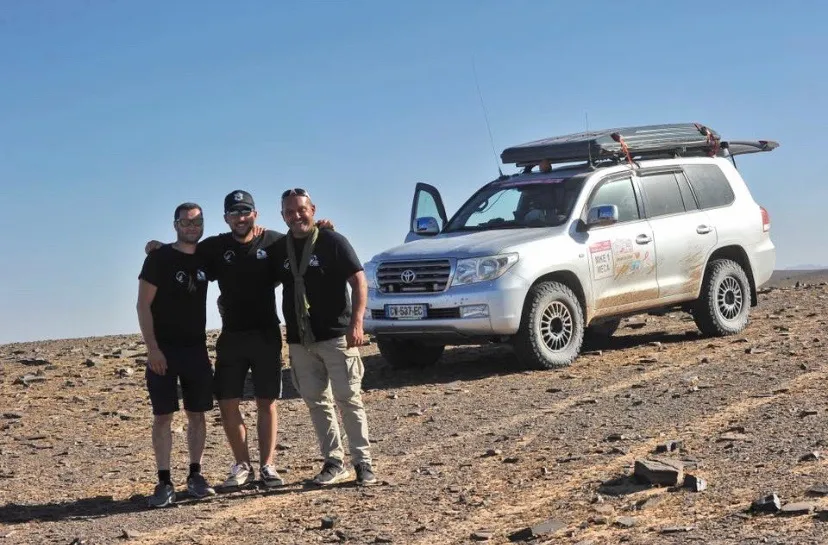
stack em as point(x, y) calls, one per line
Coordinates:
point(710, 185)
point(662, 195)
point(620, 193)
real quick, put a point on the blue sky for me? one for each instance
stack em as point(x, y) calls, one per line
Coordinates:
point(113, 112)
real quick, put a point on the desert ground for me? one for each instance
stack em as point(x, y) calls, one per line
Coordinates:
point(473, 450)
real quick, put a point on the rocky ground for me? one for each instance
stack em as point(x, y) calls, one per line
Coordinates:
point(475, 449)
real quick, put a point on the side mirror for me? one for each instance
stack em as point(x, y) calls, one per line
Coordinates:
point(426, 226)
point(600, 216)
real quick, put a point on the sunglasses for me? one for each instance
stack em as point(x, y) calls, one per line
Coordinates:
point(184, 222)
point(295, 192)
point(239, 213)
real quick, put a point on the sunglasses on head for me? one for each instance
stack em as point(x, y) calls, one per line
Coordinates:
point(295, 192)
point(184, 222)
point(239, 213)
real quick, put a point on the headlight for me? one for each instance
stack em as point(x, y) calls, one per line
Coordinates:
point(481, 269)
point(370, 269)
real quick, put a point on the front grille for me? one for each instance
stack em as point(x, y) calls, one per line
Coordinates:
point(414, 276)
point(431, 313)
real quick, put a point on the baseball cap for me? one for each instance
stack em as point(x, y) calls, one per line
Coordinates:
point(238, 199)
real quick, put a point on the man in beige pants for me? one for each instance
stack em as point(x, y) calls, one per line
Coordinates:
point(324, 331)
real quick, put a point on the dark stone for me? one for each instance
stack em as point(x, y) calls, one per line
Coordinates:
point(660, 471)
point(768, 504)
point(625, 522)
point(482, 535)
point(670, 446)
point(329, 521)
point(694, 483)
point(798, 508)
point(538, 530)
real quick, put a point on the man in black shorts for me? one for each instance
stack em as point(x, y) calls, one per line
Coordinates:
point(172, 295)
point(251, 337)
point(324, 332)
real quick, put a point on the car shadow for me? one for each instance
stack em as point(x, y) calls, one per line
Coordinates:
point(484, 361)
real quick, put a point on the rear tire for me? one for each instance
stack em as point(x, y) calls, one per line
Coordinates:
point(405, 353)
point(723, 307)
point(552, 327)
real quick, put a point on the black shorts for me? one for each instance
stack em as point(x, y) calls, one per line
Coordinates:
point(190, 365)
point(257, 350)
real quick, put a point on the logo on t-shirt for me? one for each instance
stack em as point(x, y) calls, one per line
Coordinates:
point(314, 262)
point(228, 256)
point(182, 277)
point(261, 254)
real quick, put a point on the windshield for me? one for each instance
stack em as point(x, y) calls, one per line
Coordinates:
point(519, 203)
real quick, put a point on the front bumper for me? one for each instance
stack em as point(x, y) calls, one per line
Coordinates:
point(504, 298)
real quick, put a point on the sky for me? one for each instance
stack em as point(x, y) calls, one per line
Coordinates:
point(112, 112)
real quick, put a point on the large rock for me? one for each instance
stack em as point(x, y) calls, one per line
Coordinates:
point(660, 471)
point(538, 530)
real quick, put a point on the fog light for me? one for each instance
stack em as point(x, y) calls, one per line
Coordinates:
point(474, 311)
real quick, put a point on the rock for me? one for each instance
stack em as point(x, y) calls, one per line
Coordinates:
point(482, 535)
point(798, 508)
point(625, 522)
point(808, 412)
point(27, 380)
point(810, 457)
point(329, 522)
point(768, 504)
point(418, 412)
point(538, 530)
point(287, 446)
point(616, 437)
point(493, 452)
point(660, 471)
point(694, 483)
point(553, 390)
point(34, 361)
point(131, 534)
point(648, 360)
point(670, 446)
point(383, 539)
point(12, 416)
point(125, 372)
point(819, 490)
point(732, 437)
point(677, 529)
point(393, 396)
point(511, 460)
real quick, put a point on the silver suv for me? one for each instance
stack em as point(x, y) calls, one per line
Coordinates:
point(647, 218)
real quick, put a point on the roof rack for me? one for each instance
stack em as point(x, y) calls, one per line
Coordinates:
point(609, 146)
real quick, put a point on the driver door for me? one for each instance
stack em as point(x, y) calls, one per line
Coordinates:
point(427, 213)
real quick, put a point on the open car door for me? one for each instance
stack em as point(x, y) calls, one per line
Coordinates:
point(428, 214)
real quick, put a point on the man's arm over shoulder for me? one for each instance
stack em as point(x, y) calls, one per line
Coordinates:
point(347, 262)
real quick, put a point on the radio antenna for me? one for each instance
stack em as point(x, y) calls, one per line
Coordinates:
point(589, 146)
point(486, 117)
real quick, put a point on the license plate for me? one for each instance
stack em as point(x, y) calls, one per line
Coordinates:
point(405, 312)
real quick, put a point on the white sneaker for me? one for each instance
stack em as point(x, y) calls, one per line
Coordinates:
point(270, 477)
point(241, 474)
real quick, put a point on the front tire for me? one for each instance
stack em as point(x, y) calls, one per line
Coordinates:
point(406, 353)
point(552, 327)
point(723, 306)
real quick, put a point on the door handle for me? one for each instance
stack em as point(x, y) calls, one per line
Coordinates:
point(643, 239)
point(703, 229)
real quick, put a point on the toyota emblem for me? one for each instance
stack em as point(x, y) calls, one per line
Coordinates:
point(408, 276)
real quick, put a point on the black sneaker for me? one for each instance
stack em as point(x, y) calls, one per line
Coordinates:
point(365, 474)
point(331, 473)
point(197, 486)
point(163, 496)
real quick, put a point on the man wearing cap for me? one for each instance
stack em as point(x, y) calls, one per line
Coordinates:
point(251, 336)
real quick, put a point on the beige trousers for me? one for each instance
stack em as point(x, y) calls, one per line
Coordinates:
point(329, 367)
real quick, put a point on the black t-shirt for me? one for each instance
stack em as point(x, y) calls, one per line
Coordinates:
point(179, 309)
point(333, 261)
point(247, 288)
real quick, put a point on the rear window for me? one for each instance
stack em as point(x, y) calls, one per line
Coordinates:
point(710, 185)
point(662, 194)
